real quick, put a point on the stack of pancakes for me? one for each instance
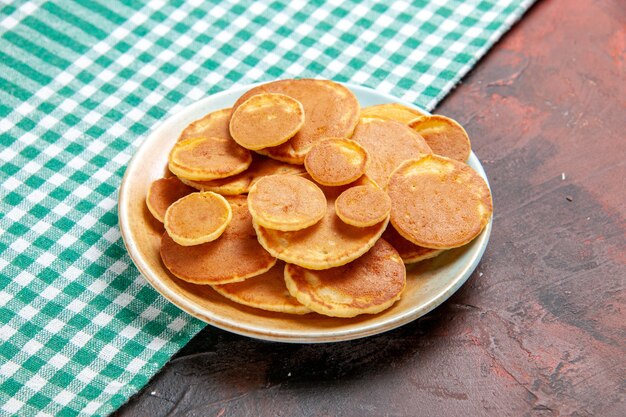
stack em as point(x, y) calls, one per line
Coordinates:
point(296, 200)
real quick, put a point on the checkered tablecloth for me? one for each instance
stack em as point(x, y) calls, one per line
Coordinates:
point(83, 81)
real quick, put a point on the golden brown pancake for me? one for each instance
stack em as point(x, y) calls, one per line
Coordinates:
point(266, 291)
point(367, 285)
point(208, 158)
point(389, 143)
point(164, 192)
point(331, 110)
point(326, 244)
point(198, 218)
point(391, 111)
point(286, 202)
point(233, 257)
point(265, 120)
point(363, 205)
point(409, 252)
point(444, 136)
point(260, 167)
point(438, 203)
point(336, 161)
point(215, 124)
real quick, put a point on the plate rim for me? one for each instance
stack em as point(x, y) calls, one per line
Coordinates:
point(255, 332)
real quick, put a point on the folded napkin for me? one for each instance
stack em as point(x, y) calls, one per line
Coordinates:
point(82, 82)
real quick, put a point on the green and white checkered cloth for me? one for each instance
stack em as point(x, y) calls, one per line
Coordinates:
point(83, 81)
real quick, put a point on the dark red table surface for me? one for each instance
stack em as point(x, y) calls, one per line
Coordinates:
point(539, 328)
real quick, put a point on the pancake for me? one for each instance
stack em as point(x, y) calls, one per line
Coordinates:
point(286, 202)
point(266, 120)
point(368, 285)
point(336, 161)
point(363, 206)
point(444, 136)
point(391, 111)
point(266, 291)
point(409, 252)
point(389, 143)
point(233, 257)
point(260, 167)
point(208, 158)
point(163, 193)
point(331, 110)
point(438, 203)
point(328, 243)
point(198, 218)
point(215, 124)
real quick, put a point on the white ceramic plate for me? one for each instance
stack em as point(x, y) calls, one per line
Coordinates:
point(429, 283)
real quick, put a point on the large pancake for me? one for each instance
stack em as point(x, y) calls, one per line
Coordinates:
point(214, 124)
point(198, 218)
point(409, 252)
point(286, 202)
point(336, 161)
point(233, 257)
point(444, 136)
point(266, 291)
point(260, 167)
point(266, 120)
point(438, 203)
point(208, 158)
point(163, 193)
point(391, 111)
point(367, 285)
point(330, 110)
point(326, 244)
point(389, 143)
point(363, 205)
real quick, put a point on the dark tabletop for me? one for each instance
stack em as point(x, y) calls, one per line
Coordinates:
point(539, 328)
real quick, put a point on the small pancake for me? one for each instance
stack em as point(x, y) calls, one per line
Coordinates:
point(286, 202)
point(327, 244)
point(363, 205)
point(266, 291)
point(233, 257)
point(266, 120)
point(438, 203)
point(198, 218)
point(208, 158)
point(260, 167)
point(367, 285)
point(409, 252)
point(391, 111)
point(336, 161)
point(163, 193)
point(444, 136)
point(389, 143)
point(215, 124)
point(331, 110)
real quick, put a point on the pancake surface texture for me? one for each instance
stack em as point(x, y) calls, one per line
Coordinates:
point(389, 143)
point(336, 161)
point(367, 285)
point(391, 111)
point(327, 244)
point(286, 202)
point(197, 218)
point(208, 158)
point(363, 206)
point(267, 291)
point(266, 120)
point(233, 257)
point(215, 124)
point(438, 203)
point(163, 193)
point(408, 251)
point(444, 136)
point(331, 110)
